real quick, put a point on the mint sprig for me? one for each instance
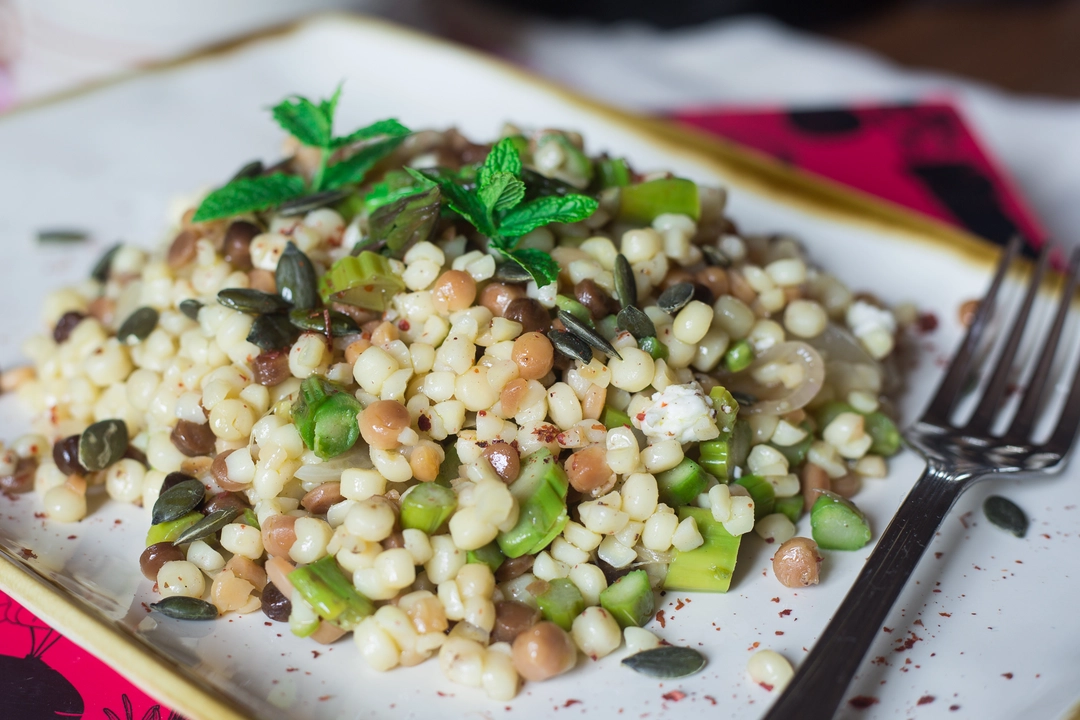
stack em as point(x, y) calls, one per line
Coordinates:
point(494, 207)
point(313, 125)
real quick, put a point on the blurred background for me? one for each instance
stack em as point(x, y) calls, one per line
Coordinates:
point(965, 110)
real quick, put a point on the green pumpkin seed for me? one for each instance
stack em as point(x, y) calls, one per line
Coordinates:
point(744, 399)
point(715, 256)
point(666, 661)
point(104, 264)
point(296, 279)
point(178, 501)
point(625, 283)
point(252, 302)
point(586, 333)
point(138, 325)
point(306, 204)
point(511, 272)
point(570, 345)
point(1006, 514)
point(209, 525)
point(102, 444)
point(676, 297)
point(250, 170)
point(62, 235)
point(251, 519)
point(340, 323)
point(635, 322)
point(272, 332)
point(191, 308)
point(180, 607)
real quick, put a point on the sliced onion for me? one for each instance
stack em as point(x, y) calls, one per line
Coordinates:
point(847, 364)
point(330, 470)
point(778, 399)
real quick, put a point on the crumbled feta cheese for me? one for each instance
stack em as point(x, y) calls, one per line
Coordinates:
point(680, 412)
point(864, 318)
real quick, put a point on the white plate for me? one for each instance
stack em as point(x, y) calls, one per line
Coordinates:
point(988, 626)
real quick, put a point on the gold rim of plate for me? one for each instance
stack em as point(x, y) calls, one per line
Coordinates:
point(178, 687)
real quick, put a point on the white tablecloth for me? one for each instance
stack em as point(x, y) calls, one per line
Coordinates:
point(749, 62)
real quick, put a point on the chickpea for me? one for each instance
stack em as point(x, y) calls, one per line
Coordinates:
point(247, 569)
point(355, 349)
point(505, 459)
point(511, 619)
point(497, 296)
point(740, 288)
point(814, 480)
point(262, 280)
point(593, 405)
point(796, 563)
point(277, 572)
point(321, 497)
point(513, 393)
point(454, 290)
point(543, 651)
point(714, 278)
point(534, 355)
point(425, 459)
point(967, 312)
point(847, 486)
point(386, 332)
point(588, 469)
point(381, 422)
point(278, 535)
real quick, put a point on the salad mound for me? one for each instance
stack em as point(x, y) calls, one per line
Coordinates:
point(479, 402)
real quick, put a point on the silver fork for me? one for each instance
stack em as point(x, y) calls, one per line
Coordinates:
point(956, 458)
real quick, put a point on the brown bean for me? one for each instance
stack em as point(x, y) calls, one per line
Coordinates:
point(796, 563)
point(543, 651)
point(702, 293)
point(173, 479)
point(505, 459)
point(714, 278)
point(279, 534)
point(66, 456)
point(247, 569)
point(262, 280)
point(102, 308)
point(453, 290)
point(319, 499)
point(358, 314)
point(393, 541)
point(740, 288)
point(847, 486)
point(156, 555)
point(237, 245)
point(588, 469)
point(193, 439)
point(533, 316)
point(674, 276)
point(381, 422)
point(22, 479)
point(271, 368)
point(275, 605)
point(497, 296)
point(514, 567)
point(66, 324)
point(533, 354)
point(327, 634)
point(512, 395)
point(220, 472)
point(182, 250)
point(967, 312)
point(814, 480)
point(511, 619)
point(226, 501)
point(597, 300)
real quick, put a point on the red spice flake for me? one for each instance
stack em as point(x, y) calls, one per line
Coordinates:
point(641, 417)
point(40, 515)
point(118, 521)
point(887, 629)
point(861, 702)
point(679, 604)
point(423, 422)
point(546, 433)
point(919, 622)
point(571, 701)
point(403, 325)
point(880, 660)
point(291, 669)
point(925, 700)
point(674, 695)
point(660, 618)
point(945, 614)
point(27, 554)
point(927, 322)
point(72, 537)
point(767, 686)
point(785, 612)
point(954, 708)
point(324, 698)
point(1007, 676)
point(776, 600)
point(711, 699)
point(907, 643)
point(964, 520)
point(937, 555)
point(755, 646)
point(779, 632)
point(315, 654)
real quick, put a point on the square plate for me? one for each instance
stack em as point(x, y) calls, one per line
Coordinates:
point(983, 605)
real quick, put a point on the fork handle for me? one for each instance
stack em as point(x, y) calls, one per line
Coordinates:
point(822, 680)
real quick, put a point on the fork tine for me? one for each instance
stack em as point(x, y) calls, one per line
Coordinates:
point(1022, 424)
point(948, 390)
point(984, 414)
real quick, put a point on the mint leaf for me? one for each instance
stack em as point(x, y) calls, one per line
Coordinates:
point(395, 185)
point(544, 210)
point(503, 158)
point(249, 195)
point(329, 107)
point(462, 201)
point(502, 191)
point(538, 263)
point(352, 170)
point(305, 121)
point(390, 127)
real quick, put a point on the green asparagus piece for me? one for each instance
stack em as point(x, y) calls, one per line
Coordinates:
point(630, 599)
point(427, 506)
point(707, 568)
point(331, 593)
point(836, 524)
point(561, 602)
